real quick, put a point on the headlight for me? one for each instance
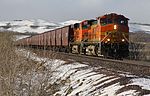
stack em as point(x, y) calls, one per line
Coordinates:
point(108, 39)
point(123, 40)
point(115, 27)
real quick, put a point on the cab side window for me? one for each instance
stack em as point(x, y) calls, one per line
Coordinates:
point(109, 21)
point(122, 22)
point(103, 22)
point(84, 26)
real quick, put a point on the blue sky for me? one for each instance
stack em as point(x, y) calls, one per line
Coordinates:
point(62, 10)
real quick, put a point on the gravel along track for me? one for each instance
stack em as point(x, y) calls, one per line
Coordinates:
point(140, 68)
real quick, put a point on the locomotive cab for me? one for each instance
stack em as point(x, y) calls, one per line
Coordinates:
point(114, 35)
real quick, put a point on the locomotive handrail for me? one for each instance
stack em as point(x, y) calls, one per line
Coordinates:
point(125, 38)
point(105, 37)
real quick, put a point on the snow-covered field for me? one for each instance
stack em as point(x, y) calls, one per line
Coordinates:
point(139, 28)
point(77, 79)
point(32, 26)
point(40, 26)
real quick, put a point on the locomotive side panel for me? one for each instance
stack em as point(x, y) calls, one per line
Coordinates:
point(77, 35)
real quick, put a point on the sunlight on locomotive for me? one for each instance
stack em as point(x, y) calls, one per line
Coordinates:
point(108, 39)
point(123, 40)
point(115, 27)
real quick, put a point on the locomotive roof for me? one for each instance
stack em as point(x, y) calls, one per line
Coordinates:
point(88, 20)
point(112, 15)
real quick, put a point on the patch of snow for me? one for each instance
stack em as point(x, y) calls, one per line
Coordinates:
point(17, 37)
point(70, 22)
point(143, 82)
point(138, 28)
point(110, 90)
point(40, 22)
point(147, 95)
point(30, 26)
point(128, 93)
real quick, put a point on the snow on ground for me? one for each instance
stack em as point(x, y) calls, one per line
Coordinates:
point(17, 37)
point(32, 26)
point(70, 22)
point(145, 82)
point(138, 28)
point(81, 80)
point(128, 93)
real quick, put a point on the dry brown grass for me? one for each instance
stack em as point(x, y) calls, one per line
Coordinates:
point(21, 76)
point(140, 46)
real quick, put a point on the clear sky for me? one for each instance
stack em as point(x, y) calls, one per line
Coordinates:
point(62, 10)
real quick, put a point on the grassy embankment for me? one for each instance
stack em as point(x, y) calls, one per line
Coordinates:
point(21, 76)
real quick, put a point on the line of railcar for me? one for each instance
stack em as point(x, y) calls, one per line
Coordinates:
point(56, 40)
point(107, 36)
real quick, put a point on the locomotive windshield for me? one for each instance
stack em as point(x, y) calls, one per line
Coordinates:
point(94, 22)
point(88, 23)
point(85, 25)
point(105, 21)
point(121, 21)
point(76, 25)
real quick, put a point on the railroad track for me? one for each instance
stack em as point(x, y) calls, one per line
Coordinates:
point(135, 67)
point(125, 61)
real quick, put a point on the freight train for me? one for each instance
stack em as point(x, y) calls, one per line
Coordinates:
point(106, 36)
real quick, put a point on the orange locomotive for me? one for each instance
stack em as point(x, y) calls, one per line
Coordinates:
point(107, 36)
